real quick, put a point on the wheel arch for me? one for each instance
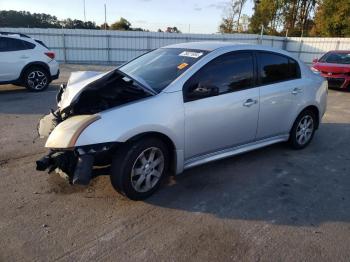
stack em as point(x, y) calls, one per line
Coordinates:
point(315, 110)
point(36, 64)
point(164, 138)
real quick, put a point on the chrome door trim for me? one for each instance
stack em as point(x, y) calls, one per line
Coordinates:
point(199, 160)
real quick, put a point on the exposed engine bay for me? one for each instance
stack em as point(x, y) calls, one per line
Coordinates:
point(78, 103)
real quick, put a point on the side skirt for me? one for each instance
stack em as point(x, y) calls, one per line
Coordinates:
point(199, 160)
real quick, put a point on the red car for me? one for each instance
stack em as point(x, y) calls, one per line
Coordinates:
point(335, 67)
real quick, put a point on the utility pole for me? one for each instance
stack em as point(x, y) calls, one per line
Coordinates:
point(261, 33)
point(84, 11)
point(105, 18)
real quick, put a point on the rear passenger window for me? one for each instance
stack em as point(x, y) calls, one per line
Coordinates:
point(275, 68)
point(11, 44)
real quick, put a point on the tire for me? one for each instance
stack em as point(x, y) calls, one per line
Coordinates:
point(36, 79)
point(134, 174)
point(303, 130)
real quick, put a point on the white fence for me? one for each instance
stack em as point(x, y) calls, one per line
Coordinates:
point(115, 47)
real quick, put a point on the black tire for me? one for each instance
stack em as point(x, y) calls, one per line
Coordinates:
point(295, 139)
point(36, 79)
point(125, 161)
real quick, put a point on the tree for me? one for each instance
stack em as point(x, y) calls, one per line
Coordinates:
point(77, 24)
point(281, 16)
point(13, 18)
point(231, 19)
point(25, 19)
point(172, 30)
point(267, 13)
point(122, 24)
point(332, 19)
point(226, 26)
point(297, 15)
point(104, 26)
point(239, 4)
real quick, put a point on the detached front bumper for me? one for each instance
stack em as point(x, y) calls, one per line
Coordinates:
point(77, 165)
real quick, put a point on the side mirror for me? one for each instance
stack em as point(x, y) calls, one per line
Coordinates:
point(315, 60)
point(201, 91)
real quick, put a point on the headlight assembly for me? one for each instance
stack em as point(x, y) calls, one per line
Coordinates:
point(66, 134)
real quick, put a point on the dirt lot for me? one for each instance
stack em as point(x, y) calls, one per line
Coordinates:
point(274, 204)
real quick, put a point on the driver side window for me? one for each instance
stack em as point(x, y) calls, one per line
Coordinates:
point(227, 73)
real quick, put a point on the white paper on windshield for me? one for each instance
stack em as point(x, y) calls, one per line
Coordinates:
point(191, 54)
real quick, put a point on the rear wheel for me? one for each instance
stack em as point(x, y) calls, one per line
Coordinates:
point(303, 130)
point(138, 169)
point(36, 79)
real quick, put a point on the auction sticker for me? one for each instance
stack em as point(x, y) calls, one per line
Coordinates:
point(182, 66)
point(191, 54)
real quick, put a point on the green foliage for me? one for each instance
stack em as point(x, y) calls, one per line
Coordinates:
point(26, 19)
point(332, 19)
point(78, 24)
point(122, 24)
point(232, 18)
point(172, 30)
point(226, 26)
point(302, 17)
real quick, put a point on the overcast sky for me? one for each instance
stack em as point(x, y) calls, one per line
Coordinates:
point(198, 16)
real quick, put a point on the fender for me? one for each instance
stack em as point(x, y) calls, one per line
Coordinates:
point(34, 63)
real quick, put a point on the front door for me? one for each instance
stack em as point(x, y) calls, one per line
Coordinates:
point(221, 105)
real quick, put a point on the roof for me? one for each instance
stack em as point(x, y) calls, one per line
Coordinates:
point(204, 45)
point(229, 46)
point(13, 34)
point(339, 51)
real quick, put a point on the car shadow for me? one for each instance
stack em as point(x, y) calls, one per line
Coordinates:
point(274, 184)
point(18, 100)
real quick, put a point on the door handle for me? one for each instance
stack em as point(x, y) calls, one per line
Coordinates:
point(296, 91)
point(249, 102)
point(24, 57)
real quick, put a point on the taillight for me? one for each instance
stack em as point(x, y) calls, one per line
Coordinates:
point(50, 54)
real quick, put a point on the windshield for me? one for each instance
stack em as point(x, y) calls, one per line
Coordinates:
point(336, 58)
point(158, 68)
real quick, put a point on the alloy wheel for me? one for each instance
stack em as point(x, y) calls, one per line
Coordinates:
point(37, 80)
point(147, 169)
point(304, 130)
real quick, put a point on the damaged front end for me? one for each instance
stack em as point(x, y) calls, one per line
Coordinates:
point(78, 106)
point(77, 165)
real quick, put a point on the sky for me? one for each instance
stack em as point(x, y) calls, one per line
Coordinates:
point(195, 16)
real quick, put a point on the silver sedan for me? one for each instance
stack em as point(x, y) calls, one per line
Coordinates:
point(178, 107)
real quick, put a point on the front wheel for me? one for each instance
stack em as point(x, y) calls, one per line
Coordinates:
point(303, 130)
point(138, 169)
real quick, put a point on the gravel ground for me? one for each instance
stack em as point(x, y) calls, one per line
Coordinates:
point(274, 204)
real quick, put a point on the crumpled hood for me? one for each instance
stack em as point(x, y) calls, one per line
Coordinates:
point(77, 82)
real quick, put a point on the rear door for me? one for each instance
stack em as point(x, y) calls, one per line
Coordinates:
point(221, 105)
point(280, 90)
point(14, 55)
